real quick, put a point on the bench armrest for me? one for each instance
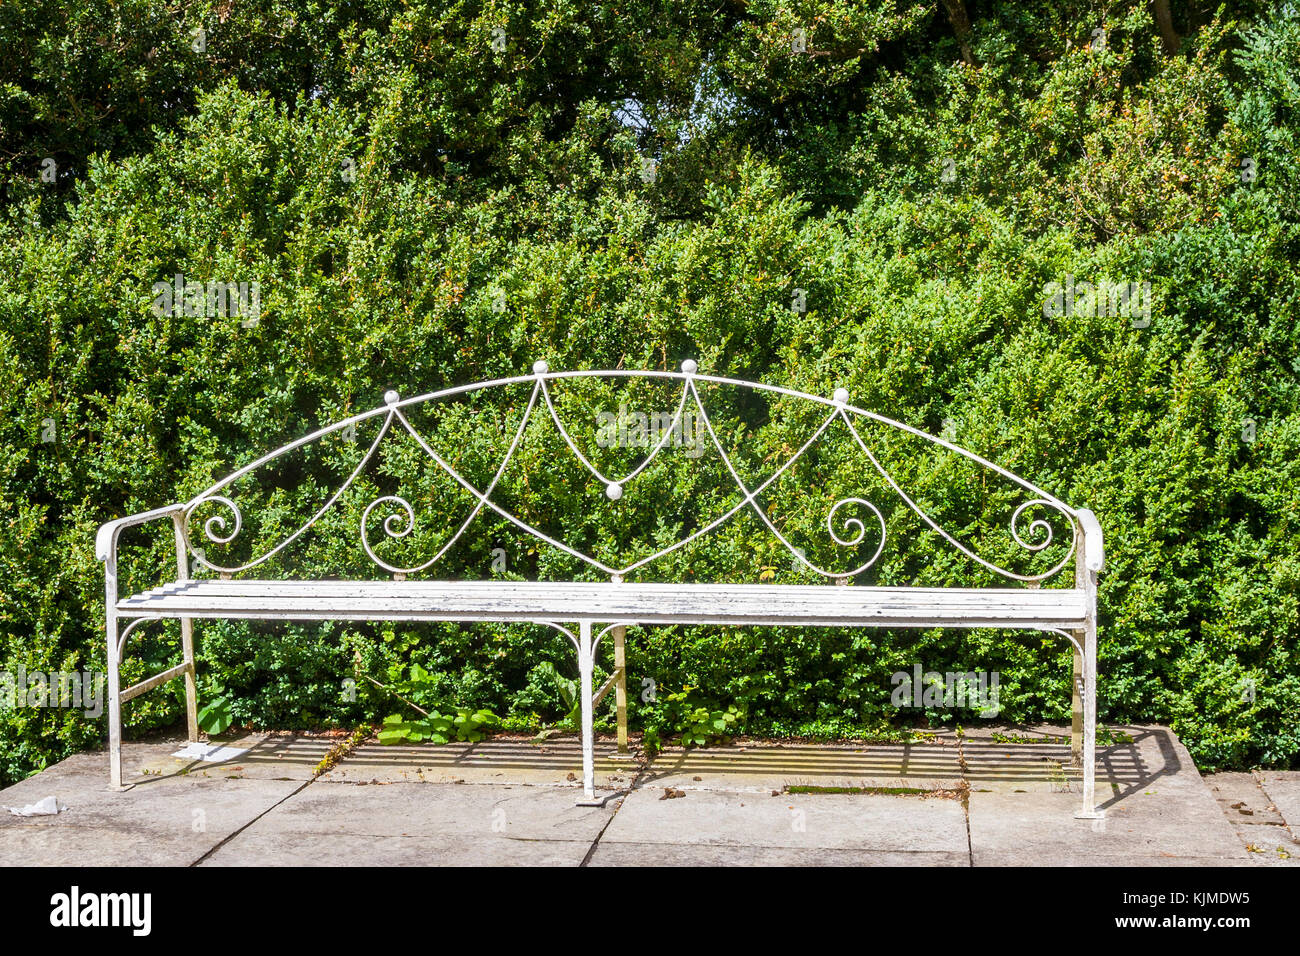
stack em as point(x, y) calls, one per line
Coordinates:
point(106, 537)
point(1094, 552)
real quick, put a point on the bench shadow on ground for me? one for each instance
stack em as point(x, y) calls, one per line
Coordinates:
point(923, 765)
point(1035, 757)
point(279, 756)
point(1031, 757)
point(1136, 760)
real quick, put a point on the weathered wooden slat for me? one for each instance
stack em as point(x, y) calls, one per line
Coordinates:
point(486, 590)
point(253, 586)
point(595, 601)
point(596, 609)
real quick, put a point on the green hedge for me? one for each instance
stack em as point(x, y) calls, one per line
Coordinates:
point(421, 209)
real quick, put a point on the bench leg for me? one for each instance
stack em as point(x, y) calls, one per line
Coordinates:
point(114, 698)
point(191, 688)
point(620, 686)
point(1076, 705)
point(1089, 810)
point(187, 635)
point(586, 664)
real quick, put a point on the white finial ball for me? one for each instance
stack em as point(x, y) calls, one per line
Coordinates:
point(689, 366)
point(613, 491)
point(540, 367)
point(842, 395)
point(391, 397)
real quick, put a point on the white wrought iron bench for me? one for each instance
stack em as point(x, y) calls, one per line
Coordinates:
point(617, 602)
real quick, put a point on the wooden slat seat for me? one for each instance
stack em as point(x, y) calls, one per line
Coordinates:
point(630, 603)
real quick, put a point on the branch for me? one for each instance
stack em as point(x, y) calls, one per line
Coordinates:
point(1165, 24)
point(961, 27)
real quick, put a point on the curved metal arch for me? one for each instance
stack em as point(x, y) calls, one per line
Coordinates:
point(1067, 635)
point(645, 463)
point(685, 376)
point(215, 526)
point(126, 631)
point(595, 642)
point(563, 630)
point(573, 639)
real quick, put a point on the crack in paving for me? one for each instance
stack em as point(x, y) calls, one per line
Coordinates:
point(591, 851)
point(964, 783)
point(1292, 831)
point(335, 755)
point(1266, 841)
point(237, 832)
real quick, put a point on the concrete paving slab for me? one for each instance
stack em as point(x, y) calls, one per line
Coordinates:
point(681, 854)
point(1243, 800)
point(275, 849)
point(1039, 829)
point(1080, 857)
point(766, 766)
point(415, 809)
point(169, 821)
point(555, 762)
point(412, 822)
point(84, 766)
point(1283, 789)
point(1267, 845)
point(1254, 818)
point(1023, 769)
point(875, 822)
point(517, 805)
point(1158, 809)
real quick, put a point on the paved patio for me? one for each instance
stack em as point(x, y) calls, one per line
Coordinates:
point(993, 797)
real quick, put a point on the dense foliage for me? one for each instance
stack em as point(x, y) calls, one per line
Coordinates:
point(431, 194)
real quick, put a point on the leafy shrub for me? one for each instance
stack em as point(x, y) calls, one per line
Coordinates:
point(463, 724)
point(478, 176)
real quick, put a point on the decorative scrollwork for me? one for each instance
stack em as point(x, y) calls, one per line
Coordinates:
point(1036, 527)
point(220, 522)
point(390, 528)
point(846, 529)
point(852, 522)
point(213, 528)
point(849, 523)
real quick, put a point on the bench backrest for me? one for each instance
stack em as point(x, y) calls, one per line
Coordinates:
point(757, 440)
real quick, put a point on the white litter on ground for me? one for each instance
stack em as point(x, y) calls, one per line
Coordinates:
point(42, 808)
point(210, 752)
